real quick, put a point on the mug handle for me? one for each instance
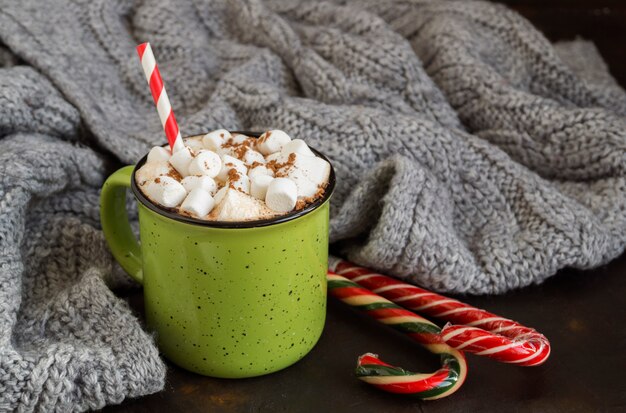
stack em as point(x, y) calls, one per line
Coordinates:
point(115, 225)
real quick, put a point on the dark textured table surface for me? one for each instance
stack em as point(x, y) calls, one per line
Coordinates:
point(583, 313)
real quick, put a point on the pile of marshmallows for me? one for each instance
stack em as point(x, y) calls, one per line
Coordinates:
point(225, 177)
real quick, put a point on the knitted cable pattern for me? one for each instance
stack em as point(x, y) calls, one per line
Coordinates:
point(472, 155)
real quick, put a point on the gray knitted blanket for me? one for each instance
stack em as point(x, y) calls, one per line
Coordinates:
point(472, 155)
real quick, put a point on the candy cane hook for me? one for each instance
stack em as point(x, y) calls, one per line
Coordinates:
point(445, 381)
point(481, 332)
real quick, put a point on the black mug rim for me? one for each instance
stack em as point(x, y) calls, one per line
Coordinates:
point(169, 213)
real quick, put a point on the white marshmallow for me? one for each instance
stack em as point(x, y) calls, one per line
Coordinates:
point(259, 185)
point(159, 154)
point(273, 157)
point(228, 163)
point(242, 183)
point(219, 195)
point(272, 141)
point(229, 150)
point(151, 170)
point(180, 161)
point(297, 146)
point(260, 170)
point(214, 140)
point(251, 156)
point(282, 195)
point(195, 144)
point(233, 162)
point(238, 139)
point(307, 172)
point(198, 203)
point(237, 206)
point(206, 163)
point(306, 188)
point(317, 170)
point(192, 182)
point(165, 191)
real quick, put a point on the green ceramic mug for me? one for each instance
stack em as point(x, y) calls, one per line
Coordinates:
point(224, 299)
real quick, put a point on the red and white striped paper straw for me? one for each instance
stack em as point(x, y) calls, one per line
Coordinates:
point(164, 108)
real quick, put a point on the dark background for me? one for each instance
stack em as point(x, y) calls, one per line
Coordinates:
point(602, 21)
point(582, 313)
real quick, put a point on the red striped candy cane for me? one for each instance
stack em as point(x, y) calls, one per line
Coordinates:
point(164, 108)
point(445, 381)
point(480, 332)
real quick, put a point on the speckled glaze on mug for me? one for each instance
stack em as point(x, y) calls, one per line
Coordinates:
point(228, 300)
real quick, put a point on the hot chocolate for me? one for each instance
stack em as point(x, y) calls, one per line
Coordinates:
point(234, 177)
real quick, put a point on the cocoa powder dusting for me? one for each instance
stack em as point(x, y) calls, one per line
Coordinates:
point(233, 175)
point(173, 173)
point(304, 202)
point(240, 151)
point(300, 203)
point(320, 191)
point(264, 137)
point(271, 165)
point(249, 142)
point(275, 166)
point(157, 180)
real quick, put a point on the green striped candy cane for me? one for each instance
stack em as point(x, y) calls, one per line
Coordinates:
point(372, 370)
